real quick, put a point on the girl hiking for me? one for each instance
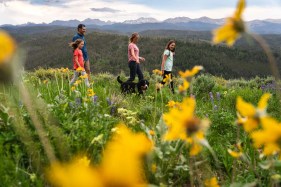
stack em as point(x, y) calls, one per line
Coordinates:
point(78, 61)
point(167, 63)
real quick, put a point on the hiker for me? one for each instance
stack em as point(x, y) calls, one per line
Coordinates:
point(134, 59)
point(78, 61)
point(81, 30)
point(167, 63)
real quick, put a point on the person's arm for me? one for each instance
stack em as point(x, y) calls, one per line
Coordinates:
point(164, 58)
point(141, 58)
point(76, 61)
point(75, 55)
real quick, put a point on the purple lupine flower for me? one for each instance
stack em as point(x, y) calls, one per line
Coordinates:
point(94, 99)
point(216, 107)
point(211, 96)
point(78, 101)
point(108, 101)
point(112, 110)
point(218, 96)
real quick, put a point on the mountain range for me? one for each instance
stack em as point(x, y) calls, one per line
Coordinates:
point(267, 26)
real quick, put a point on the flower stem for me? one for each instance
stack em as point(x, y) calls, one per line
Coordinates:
point(271, 59)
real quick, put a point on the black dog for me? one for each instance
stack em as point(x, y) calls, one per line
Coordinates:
point(130, 87)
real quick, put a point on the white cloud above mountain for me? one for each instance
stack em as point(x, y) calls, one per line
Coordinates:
point(38, 11)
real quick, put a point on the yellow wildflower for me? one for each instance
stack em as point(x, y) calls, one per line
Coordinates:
point(172, 104)
point(7, 46)
point(64, 70)
point(122, 163)
point(74, 174)
point(151, 132)
point(233, 27)
point(268, 137)
point(195, 149)
point(72, 88)
point(180, 121)
point(250, 114)
point(211, 182)
point(167, 78)
point(90, 92)
point(79, 69)
point(184, 86)
point(85, 76)
point(182, 124)
point(159, 86)
point(157, 72)
point(153, 168)
point(234, 153)
point(190, 73)
point(76, 83)
point(45, 81)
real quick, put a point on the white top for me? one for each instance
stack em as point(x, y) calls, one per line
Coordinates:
point(169, 61)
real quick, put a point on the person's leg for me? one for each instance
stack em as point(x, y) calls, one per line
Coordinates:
point(87, 69)
point(164, 76)
point(75, 76)
point(132, 66)
point(139, 72)
point(86, 79)
point(172, 83)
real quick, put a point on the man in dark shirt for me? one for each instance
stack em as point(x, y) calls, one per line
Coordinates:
point(81, 29)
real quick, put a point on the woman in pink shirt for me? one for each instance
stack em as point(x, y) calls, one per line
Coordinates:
point(78, 61)
point(134, 58)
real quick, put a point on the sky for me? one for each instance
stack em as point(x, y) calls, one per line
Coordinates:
point(39, 11)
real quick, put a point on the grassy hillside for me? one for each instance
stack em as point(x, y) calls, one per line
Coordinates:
point(108, 52)
point(78, 122)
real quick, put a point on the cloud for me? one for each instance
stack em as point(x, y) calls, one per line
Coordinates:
point(23, 11)
point(105, 9)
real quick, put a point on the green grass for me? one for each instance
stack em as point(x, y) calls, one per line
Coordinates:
point(72, 121)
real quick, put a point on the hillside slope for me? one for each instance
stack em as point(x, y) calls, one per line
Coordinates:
point(108, 53)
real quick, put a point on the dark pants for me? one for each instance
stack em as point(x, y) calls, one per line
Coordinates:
point(171, 83)
point(134, 69)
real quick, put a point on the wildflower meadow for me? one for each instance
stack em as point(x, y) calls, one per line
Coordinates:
point(211, 132)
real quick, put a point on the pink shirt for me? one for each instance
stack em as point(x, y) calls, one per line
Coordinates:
point(77, 52)
point(136, 50)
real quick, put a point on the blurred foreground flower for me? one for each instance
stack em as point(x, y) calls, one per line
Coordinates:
point(183, 124)
point(190, 73)
point(77, 173)
point(268, 137)
point(121, 164)
point(233, 27)
point(187, 76)
point(211, 182)
point(7, 46)
point(250, 115)
point(122, 160)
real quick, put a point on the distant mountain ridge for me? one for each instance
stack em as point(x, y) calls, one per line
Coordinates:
point(268, 26)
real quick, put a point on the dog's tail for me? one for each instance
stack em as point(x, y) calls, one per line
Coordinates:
point(119, 80)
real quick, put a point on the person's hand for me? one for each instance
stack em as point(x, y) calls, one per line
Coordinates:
point(142, 59)
point(162, 72)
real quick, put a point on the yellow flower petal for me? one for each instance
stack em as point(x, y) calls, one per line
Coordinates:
point(195, 149)
point(262, 105)
point(211, 182)
point(244, 108)
point(7, 46)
